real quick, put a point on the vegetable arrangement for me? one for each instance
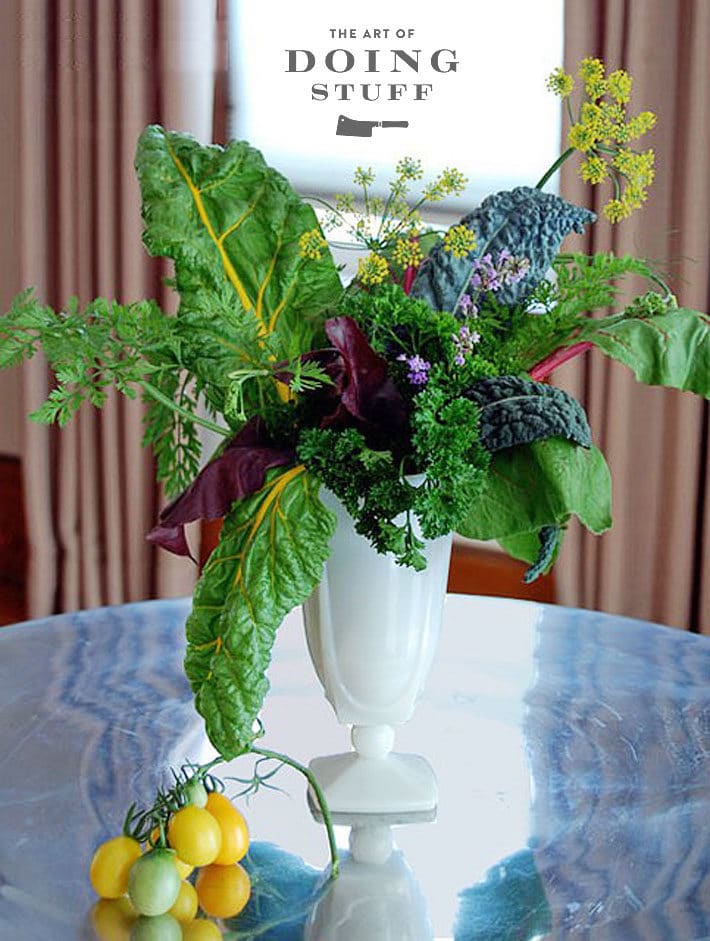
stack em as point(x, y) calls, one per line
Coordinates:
point(141, 876)
point(432, 362)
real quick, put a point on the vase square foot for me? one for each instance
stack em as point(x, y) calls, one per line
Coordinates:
point(371, 820)
point(396, 785)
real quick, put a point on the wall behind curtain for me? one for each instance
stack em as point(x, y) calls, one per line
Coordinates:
point(88, 77)
point(655, 563)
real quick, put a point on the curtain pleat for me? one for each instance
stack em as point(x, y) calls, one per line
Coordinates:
point(92, 76)
point(655, 562)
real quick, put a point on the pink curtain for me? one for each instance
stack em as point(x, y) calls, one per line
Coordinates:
point(91, 76)
point(655, 563)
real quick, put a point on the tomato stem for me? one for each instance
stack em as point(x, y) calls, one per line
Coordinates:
point(319, 795)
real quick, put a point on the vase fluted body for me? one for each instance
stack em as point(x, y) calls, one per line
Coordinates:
point(372, 628)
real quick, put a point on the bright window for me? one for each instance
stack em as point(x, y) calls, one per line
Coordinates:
point(491, 115)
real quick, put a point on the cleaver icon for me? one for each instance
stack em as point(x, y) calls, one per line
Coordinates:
point(347, 127)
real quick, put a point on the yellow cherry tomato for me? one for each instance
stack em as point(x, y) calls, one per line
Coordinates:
point(235, 835)
point(195, 835)
point(111, 864)
point(223, 891)
point(201, 930)
point(184, 869)
point(185, 905)
point(112, 919)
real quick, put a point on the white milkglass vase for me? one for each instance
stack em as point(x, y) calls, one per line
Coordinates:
point(372, 628)
point(370, 901)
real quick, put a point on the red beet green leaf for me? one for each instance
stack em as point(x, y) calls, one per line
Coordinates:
point(237, 473)
point(366, 391)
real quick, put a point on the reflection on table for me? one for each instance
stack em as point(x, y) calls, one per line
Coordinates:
point(571, 750)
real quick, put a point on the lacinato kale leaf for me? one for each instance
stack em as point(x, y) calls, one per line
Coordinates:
point(525, 221)
point(514, 411)
point(540, 549)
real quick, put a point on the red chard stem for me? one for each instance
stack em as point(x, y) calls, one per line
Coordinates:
point(557, 358)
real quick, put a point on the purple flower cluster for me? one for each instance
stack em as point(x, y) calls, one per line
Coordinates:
point(467, 307)
point(464, 342)
point(490, 276)
point(419, 368)
point(485, 275)
point(511, 269)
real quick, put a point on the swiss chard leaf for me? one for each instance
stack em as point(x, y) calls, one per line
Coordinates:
point(540, 484)
point(516, 411)
point(269, 559)
point(232, 226)
point(525, 221)
point(665, 349)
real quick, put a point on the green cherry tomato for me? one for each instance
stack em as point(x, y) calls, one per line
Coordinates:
point(111, 864)
point(196, 793)
point(157, 928)
point(154, 883)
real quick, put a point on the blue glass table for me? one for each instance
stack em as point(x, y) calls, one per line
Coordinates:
point(572, 751)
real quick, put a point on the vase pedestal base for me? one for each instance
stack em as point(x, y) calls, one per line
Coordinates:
point(394, 784)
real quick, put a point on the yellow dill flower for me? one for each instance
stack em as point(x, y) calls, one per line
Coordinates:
point(645, 169)
point(591, 68)
point(602, 132)
point(363, 176)
point(591, 71)
point(624, 161)
point(615, 210)
point(311, 245)
point(638, 167)
point(634, 197)
point(590, 113)
point(345, 202)
point(373, 269)
point(407, 253)
point(582, 137)
point(453, 181)
point(618, 85)
point(560, 82)
point(409, 169)
point(595, 88)
point(450, 181)
point(639, 125)
point(459, 240)
point(594, 170)
point(611, 120)
point(592, 119)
